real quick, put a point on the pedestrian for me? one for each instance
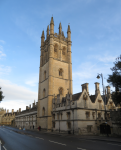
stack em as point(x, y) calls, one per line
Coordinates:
point(40, 128)
point(33, 126)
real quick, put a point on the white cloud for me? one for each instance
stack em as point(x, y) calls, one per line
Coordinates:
point(4, 69)
point(87, 72)
point(2, 41)
point(16, 96)
point(1, 52)
point(106, 58)
point(33, 80)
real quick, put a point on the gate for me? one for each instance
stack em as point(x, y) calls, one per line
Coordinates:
point(105, 129)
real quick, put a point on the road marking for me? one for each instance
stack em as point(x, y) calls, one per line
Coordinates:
point(81, 148)
point(30, 135)
point(4, 148)
point(58, 143)
point(113, 144)
point(40, 138)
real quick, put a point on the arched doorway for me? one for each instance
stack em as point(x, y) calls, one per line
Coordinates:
point(105, 129)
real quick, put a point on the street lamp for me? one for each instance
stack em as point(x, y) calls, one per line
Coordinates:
point(104, 99)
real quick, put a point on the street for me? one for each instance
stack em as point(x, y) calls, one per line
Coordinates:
point(15, 139)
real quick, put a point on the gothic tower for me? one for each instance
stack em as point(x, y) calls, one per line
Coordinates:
point(55, 74)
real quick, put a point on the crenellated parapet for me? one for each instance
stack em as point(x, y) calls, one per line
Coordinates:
point(60, 101)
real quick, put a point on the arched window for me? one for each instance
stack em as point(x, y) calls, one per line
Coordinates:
point(64, 53)
point(56, 51)
point(44, 75)
point(60, 72)
point(44, 93)
point(43, 111)
point(61, 91)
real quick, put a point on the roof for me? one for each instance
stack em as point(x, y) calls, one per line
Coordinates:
point(92, 97)
point(28, 110)
point(76, 96)
point(105, 97)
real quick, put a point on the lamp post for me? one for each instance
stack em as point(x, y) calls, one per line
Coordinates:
point(104, 99)
point(73, 121)
point(59, 121)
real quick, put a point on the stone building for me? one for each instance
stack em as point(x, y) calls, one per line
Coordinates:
point(58, 108)
point(8, 117)
point(55, 74)
point(27, 118)
point(81, 113)
point(2, 112)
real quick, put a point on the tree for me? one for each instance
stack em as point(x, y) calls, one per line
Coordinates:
point(1, 95)
point(115, 81)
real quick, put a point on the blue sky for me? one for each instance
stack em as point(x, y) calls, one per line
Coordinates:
point(96, 42)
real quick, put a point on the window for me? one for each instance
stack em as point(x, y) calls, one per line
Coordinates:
point(87, 115)
point(43, 111)
point(44, 93)
point(44, 75)
point(53, 124)
point(89, 128)
point(93, 115)
point(61, 91)
point(69, 125)
point(68, 115)
point(58, 116)
point(99, 115)
point(60, 72)
point(108, 115)
point(64, 51)
point(55, 51)
point(61, 116)
point(53, 116)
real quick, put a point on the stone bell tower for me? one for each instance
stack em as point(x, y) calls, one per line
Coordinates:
point(55, 73)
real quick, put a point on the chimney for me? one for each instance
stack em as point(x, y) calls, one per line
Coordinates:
point(108, 89)
point(12, 111)
point(33, 104)
point(26, 107)
point(30, 106)
point(85, 86)
point(8, 111)
point(19, 109)
point(36, 103)
point(97, 90)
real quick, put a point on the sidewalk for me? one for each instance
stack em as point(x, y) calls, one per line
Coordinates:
point(100, 138)
point(86, 137)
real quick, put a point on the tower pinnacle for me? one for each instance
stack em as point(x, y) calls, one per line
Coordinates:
point(60, 28)
point(52, 21)
point(47, 31)
point(68, 30)
point(43, 36)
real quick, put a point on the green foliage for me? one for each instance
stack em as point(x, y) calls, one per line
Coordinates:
point(115, 80)
point(1, 95)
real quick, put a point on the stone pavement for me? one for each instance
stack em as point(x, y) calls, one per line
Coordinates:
point(86, 137)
